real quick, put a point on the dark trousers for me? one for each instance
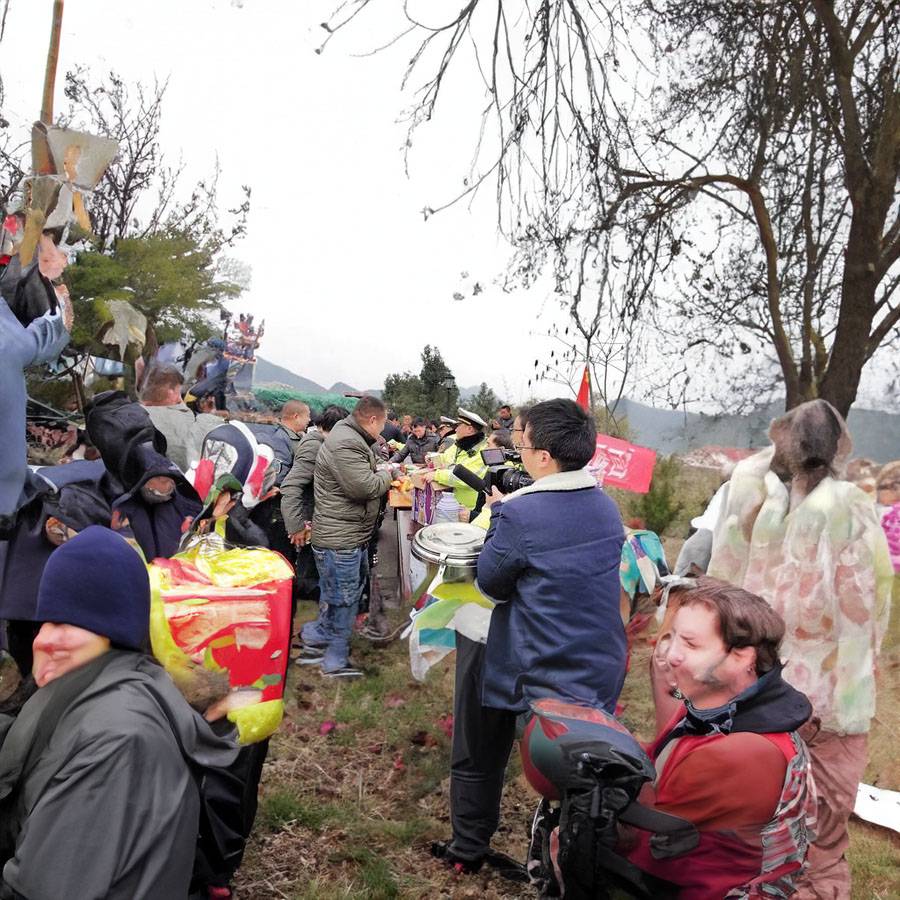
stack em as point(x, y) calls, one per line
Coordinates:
point(482, 741)
point(229, 799)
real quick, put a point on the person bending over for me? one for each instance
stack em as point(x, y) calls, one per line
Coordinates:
point(730, 760)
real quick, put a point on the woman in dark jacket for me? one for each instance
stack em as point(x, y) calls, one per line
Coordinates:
point(98, 796)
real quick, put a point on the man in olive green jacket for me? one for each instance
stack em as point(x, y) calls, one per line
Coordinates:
point(348, 491)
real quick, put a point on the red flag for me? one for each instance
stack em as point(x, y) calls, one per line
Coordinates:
point(623, 465)
point(584, 392)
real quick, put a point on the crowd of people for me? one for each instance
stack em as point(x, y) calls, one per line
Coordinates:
point(763, 672)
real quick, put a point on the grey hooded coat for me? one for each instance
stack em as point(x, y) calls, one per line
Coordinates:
point(110, 808)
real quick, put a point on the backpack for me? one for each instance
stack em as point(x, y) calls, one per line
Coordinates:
point(590, 770)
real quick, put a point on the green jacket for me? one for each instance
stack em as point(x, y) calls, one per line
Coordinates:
point(348, 490)
point(297, 493)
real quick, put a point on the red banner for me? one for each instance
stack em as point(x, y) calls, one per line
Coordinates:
point(584, 392)
point(620, 464)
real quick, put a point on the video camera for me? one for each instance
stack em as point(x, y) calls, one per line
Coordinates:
point(501, 476)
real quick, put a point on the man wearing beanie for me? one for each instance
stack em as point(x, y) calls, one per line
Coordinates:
point(97, 794)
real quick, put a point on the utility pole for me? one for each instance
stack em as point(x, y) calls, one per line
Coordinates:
point(52, 61)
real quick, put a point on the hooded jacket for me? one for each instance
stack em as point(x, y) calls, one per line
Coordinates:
point(110, 808)
point(297, 490)
point(551, 561)
point(133, 452)
point(78, 502)
point(348, 489)
point(740, 774)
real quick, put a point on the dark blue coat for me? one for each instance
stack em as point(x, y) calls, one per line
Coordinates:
point(551, 561)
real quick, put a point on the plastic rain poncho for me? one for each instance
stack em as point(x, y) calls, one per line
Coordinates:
point(821, 560)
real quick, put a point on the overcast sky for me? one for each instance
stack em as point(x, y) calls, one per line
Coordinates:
point(351, 280)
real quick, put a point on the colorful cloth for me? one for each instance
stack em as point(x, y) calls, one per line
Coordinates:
point(444, 609)
point(825, 568)
point(643, 562)
point(890, 522)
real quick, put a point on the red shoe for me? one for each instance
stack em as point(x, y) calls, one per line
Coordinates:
point(215, 892)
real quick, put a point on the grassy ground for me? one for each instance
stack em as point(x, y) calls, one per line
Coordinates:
point(356, 786)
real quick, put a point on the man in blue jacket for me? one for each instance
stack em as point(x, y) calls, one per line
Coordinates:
point(551, 563)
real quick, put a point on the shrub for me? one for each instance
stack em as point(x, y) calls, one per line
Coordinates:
point(659, 508)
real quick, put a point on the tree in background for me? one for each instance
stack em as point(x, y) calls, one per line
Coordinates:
point(431, 393)
point(163, 254)
point(403, 393)
point(174, 282)
point(484, 402)
point(156, 268)
point(736, 163)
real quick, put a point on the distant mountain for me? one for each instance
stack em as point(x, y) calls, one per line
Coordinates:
point(876, 435)
point(268, 373)
point(341, 387)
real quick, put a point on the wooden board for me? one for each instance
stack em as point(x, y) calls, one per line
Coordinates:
point(399, 499)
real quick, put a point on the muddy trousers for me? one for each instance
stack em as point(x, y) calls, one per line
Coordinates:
point(482, 741)
point(838, 762)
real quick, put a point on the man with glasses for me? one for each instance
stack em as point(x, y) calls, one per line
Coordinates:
point(551, 563)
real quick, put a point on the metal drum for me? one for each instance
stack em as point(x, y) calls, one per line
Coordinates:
point(448, 552)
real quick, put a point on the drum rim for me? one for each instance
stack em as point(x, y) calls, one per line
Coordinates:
point(426, 554)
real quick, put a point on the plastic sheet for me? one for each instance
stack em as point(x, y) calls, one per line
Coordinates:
point(825, 568)
point(226, 611)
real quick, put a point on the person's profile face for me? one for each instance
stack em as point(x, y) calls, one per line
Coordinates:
point(374, 425)
point(60, 648)
point(701, 664)
point(517, 433)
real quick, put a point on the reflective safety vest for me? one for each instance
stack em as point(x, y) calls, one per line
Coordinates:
point(472, 460)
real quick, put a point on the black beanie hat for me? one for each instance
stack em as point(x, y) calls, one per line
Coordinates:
point(97, 581)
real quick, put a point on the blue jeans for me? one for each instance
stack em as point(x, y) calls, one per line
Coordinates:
point(342, 577)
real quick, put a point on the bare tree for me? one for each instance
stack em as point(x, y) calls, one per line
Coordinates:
point(140, 191)
point(747, 153)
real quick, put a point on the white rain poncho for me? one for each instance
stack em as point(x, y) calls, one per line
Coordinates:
point(821, 560)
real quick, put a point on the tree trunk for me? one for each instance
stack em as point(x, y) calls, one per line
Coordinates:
point(858, 289)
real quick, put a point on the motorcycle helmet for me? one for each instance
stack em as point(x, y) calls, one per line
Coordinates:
point(567, 746)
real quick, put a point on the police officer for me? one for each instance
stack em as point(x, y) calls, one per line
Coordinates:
point(465, 451)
